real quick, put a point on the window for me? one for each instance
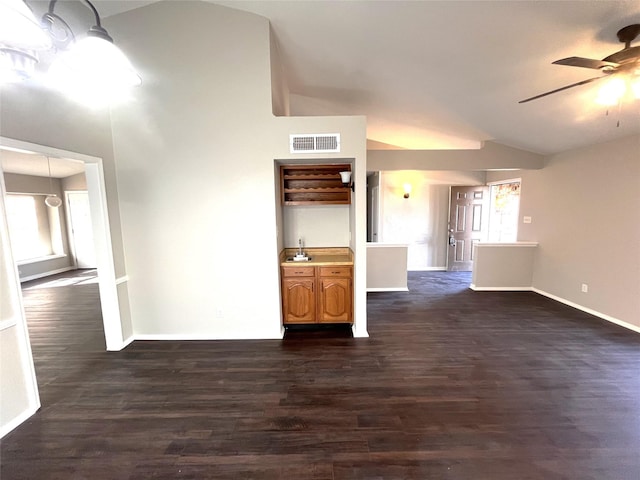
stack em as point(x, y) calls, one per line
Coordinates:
point(504, 210)
point(34, 228)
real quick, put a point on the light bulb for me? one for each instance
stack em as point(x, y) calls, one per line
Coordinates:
point(94, 71)
point(612, 91)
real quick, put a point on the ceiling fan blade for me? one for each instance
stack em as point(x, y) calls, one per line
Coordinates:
point(583, 82)
point(585, 63)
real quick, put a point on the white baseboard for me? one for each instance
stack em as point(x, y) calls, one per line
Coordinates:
point(17, 421)
point(595, 313)
point(500, 289)
point(359, 333)
point(126, 342)
point(46, 274)
point(203, 336)
point(392, 289)
point(428, 269)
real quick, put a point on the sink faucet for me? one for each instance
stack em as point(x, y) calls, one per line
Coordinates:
point(300, 247)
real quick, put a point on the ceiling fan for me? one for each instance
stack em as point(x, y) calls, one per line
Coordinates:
point(626, 60)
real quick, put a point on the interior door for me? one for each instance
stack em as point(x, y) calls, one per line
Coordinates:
point(468, 216)
point(80, 229)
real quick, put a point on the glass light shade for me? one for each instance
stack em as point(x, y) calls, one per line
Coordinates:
point(53, 201)
point(345, 177)
point(612, 91)
point(94, 71)
point(16, 65)
point(19, 28)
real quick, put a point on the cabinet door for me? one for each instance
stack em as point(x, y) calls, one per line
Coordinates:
point(298, 300)
point(334, 300)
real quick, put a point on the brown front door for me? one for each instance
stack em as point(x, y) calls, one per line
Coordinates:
point(468, 216)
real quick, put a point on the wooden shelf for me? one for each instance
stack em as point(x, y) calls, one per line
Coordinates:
point(314, 185)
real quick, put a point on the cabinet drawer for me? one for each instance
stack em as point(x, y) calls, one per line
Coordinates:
point(298, 271)
point(340, 271)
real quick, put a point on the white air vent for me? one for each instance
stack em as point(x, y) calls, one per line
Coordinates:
point(314, 143)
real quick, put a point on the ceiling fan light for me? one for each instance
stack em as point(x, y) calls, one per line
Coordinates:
point(612, 91)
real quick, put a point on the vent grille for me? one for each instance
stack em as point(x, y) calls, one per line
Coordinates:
point(314, 143)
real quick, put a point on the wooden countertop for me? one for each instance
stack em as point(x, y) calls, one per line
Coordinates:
point(319, 256)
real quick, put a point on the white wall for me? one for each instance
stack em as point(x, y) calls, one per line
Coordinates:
point(195, 167)
point(18, 392)
point(584, 207)
point(420, 221)
point(318, 226)
point(31, 184)
point(491, 156)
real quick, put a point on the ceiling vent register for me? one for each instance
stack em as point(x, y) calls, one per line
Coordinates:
point(315, 143)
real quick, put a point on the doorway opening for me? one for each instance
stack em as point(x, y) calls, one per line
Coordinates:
point(96, 193)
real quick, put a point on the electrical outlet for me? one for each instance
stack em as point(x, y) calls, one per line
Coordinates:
point(219, 313)
point(585, 288)
point(526, 219)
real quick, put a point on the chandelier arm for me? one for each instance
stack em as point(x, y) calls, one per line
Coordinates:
point(95, 12)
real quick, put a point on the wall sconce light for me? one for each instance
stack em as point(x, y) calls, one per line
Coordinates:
point(346, 180)
point(92, 65)
point(407, 190)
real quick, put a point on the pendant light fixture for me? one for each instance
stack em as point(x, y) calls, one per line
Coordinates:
point(20, 37)
point(91, 68)
point(52, 199)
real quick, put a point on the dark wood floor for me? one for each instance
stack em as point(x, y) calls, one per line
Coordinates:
point(452, 384)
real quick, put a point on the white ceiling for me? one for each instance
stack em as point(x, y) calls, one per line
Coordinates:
point(448, 74)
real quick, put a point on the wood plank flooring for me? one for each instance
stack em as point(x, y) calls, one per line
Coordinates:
point(453, 384)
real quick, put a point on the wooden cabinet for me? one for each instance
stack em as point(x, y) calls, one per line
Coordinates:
point(314, 185)
point(299, 294)
point(317, 294)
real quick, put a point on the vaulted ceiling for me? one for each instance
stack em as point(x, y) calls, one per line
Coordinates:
point(449, 74)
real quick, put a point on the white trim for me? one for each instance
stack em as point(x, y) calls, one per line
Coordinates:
point(359, 333)
point(128, 341)
point(500, 289)
point(428, 269)
point(15, 422)
point(46, 274)
point(8, 323)
point(46, 258)
point(199, 336)
point(96, 187)
point(121, 280)
point(505, 244)
point(595, 313)
point(392, 245)
point(400, 289)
